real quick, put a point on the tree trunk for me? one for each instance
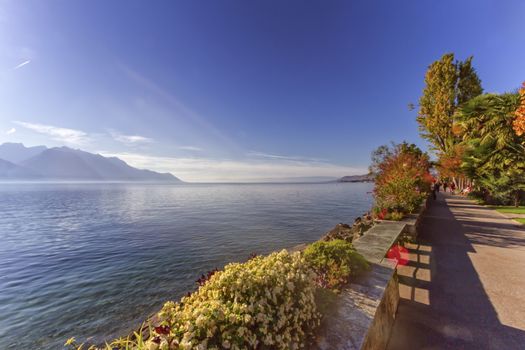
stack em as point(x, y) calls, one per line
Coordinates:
point(517, 198)
point(486, 196)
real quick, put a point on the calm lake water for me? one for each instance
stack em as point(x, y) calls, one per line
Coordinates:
point(95, 259)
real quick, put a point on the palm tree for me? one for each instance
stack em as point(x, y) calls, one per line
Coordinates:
point(495, 154)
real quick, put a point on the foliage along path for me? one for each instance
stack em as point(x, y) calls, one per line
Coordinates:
point(464, 286)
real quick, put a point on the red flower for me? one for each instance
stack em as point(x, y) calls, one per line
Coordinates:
point(165, 330)
point(398, 253)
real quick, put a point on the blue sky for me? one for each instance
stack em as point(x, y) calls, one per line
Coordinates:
point(239, 90)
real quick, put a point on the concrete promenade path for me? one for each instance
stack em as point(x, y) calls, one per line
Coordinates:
point(464, 285)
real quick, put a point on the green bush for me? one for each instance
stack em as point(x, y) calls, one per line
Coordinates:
point(334, 262)
point(395, 216)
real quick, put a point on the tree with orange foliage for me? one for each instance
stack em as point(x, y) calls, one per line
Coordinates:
point(449, 164)
point(519, 122)
point(402, 179)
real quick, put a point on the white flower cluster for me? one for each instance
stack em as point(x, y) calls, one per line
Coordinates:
point(266, 302)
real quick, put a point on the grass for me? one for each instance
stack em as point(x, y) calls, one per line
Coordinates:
point(510, 209)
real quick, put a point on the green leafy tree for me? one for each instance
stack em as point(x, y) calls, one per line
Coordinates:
point(469, 84)
point(448, 84)
point(438, 102)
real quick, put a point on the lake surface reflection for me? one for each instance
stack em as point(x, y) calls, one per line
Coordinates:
point(96, 259)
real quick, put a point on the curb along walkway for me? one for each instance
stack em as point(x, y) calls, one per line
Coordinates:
point(464, 286)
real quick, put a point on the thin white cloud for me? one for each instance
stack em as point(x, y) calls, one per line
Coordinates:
point(190, 148)
point(22, 64)
point(71, 136)
point(10, 131)
point(130, 139)
point(266, 155)
point(216, 170)
point(283, 157)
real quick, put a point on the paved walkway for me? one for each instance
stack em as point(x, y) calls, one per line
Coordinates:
point(464, 287)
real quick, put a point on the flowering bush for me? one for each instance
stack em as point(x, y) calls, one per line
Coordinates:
point(266, 302)
point(402, 180)
point(334, 262)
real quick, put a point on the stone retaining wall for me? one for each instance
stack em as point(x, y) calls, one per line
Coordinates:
point(364, 312)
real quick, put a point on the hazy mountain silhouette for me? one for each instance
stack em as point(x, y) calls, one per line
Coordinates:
point(63, 163)
point(10, 170)
point(17, 152)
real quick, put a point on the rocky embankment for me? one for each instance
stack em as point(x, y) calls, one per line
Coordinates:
point(350, 233)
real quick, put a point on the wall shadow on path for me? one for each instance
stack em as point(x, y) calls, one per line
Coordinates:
point(443, 302)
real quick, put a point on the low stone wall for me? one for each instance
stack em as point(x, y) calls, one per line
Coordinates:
point(363, 313)
point(413, 220)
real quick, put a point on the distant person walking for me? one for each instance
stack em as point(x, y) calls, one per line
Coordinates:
point(445, 185)
point(433, 190)
point(466, 190)
point(437, 185)
point(452, 187)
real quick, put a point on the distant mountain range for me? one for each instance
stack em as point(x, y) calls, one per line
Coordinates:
point(18, 162)
point(357, 178)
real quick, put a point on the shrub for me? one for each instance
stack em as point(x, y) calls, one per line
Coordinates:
point(402, 178)
point(334, 262)
point(396, 216)
point(384, 214)
point(267, 301)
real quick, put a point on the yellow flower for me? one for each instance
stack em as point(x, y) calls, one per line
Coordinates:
point(151, 345)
